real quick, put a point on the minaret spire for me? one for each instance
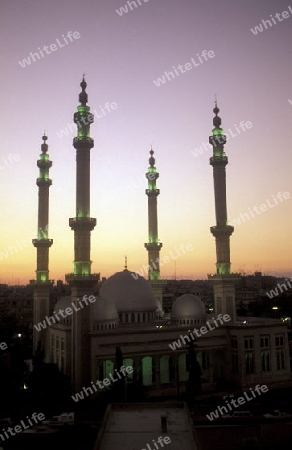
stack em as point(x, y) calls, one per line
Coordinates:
point(82, 281)
point(42, 284)
point(224, 291)
point(153, 246)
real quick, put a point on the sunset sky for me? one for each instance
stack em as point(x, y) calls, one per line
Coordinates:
point(122, 55)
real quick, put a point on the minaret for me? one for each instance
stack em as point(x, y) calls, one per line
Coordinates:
point(153, 246)
point(224, 288)
point(42, 284)
point(82, 282)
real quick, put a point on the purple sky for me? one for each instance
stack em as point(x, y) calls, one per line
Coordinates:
point(122, 56)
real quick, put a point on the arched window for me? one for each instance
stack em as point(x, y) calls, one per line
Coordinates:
point(147, 371)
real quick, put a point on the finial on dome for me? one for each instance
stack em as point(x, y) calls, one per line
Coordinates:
point(83, 97)
point(126, 263)
point(216, 119)
point(151, 159)
point(44, 145)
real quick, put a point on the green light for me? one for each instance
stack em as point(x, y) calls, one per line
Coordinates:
point(83, 108)
point(217, 132)
point(44, 157)
point(154, 276)
point(81, 268)
point(223, 268)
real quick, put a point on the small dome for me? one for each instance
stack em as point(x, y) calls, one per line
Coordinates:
point(129, 291)
point(104, 310)
point(104, 314)
point(63, 303)
point(188, 310)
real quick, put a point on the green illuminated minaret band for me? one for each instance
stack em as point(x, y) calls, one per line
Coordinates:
point(153, 246)
point(221, 231)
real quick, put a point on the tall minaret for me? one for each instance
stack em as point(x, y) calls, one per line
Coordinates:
point(42, 284)
point(82, 282)
point(153, 246)
point(224, 288)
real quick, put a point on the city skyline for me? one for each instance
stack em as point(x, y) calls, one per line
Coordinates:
point(123, 58)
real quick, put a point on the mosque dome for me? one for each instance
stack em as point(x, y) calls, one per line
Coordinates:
point(132, 296)
point(63, 303)
point(104, 309)
point(188, 310)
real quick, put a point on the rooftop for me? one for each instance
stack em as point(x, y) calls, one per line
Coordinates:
point(136, 425)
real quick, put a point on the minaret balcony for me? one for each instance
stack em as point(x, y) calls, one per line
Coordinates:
point(152, 246)
point(229, 277)
point(43, 182)
point(223, 231)
point(152, 192)
point(83, 142)
point(83, 279)
point(42, 242)
point(42, 282)
point(219, 160)
point(44, 164)
point(82, 223)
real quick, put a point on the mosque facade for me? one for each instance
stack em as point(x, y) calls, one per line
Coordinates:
point(127, 313)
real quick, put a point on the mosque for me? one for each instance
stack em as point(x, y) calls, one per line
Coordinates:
point(128, 309)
